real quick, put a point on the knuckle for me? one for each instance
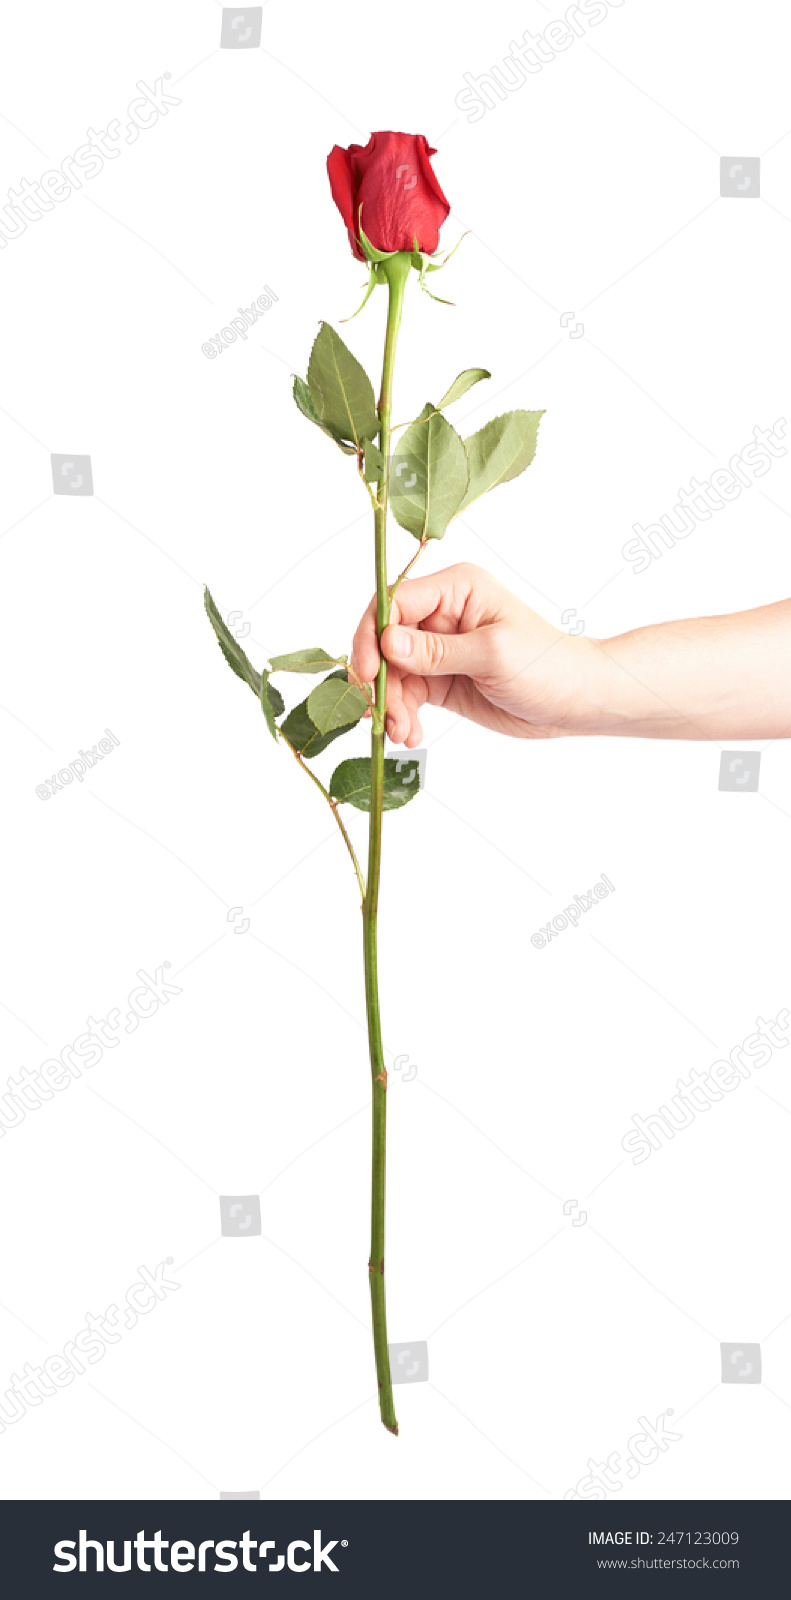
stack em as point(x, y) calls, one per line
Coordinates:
point(435, 650)
point(499, 651)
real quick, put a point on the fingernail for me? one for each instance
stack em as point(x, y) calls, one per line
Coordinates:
point(401, 643)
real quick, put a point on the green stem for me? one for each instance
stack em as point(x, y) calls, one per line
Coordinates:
point(408, 568)
point(396, 269)
point(333, 805)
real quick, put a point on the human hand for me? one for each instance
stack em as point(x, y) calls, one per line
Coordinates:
point(461, 640)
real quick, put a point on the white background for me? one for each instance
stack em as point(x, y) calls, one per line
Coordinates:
point(594, 188)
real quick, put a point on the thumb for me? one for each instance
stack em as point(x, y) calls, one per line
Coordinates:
point(439, 654)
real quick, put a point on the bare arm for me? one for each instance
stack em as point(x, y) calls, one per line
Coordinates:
point(717, 678)
point(461, 640)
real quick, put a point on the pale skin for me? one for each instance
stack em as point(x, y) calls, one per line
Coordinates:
point(461, 640)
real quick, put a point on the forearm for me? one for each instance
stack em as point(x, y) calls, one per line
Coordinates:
point(715, 678)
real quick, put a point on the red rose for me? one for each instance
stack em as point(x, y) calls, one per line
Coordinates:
point(391, 177)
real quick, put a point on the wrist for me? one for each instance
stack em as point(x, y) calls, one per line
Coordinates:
point(638, 686)
point(584, 687)
point(611, 695)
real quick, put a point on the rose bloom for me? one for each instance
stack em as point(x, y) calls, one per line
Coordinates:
point(392, 178)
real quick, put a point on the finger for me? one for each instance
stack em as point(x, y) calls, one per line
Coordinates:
point(412, 707)
point(398, 721)
point(434, 691)
point(365, 649)
point(395, 717)
point(417, 688)
point(402, 719)
point(464, 595)
point(441, 654)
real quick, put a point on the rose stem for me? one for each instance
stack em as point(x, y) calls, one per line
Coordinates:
point(396, 270)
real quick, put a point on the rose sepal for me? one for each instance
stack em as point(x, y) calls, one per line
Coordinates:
point(369, 250)
point(372, 282)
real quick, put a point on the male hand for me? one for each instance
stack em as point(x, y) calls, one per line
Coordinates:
point(461, 640)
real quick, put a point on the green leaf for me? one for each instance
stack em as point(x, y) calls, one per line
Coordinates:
point(373, 463)
point(303, 734)
point(266, 705)
point(499, 451)
point(276, 700)
point(306, 406)
point(428, 476)
point(305, 661)
point(335, 703)
point(272, 703)
point(231, 648)
point(460, 385)
point(340, 389)
point(303, 400)
point(351, 783)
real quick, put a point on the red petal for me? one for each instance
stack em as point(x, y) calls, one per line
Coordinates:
point(402, 199)
point(393, 177)
point(339, 169)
